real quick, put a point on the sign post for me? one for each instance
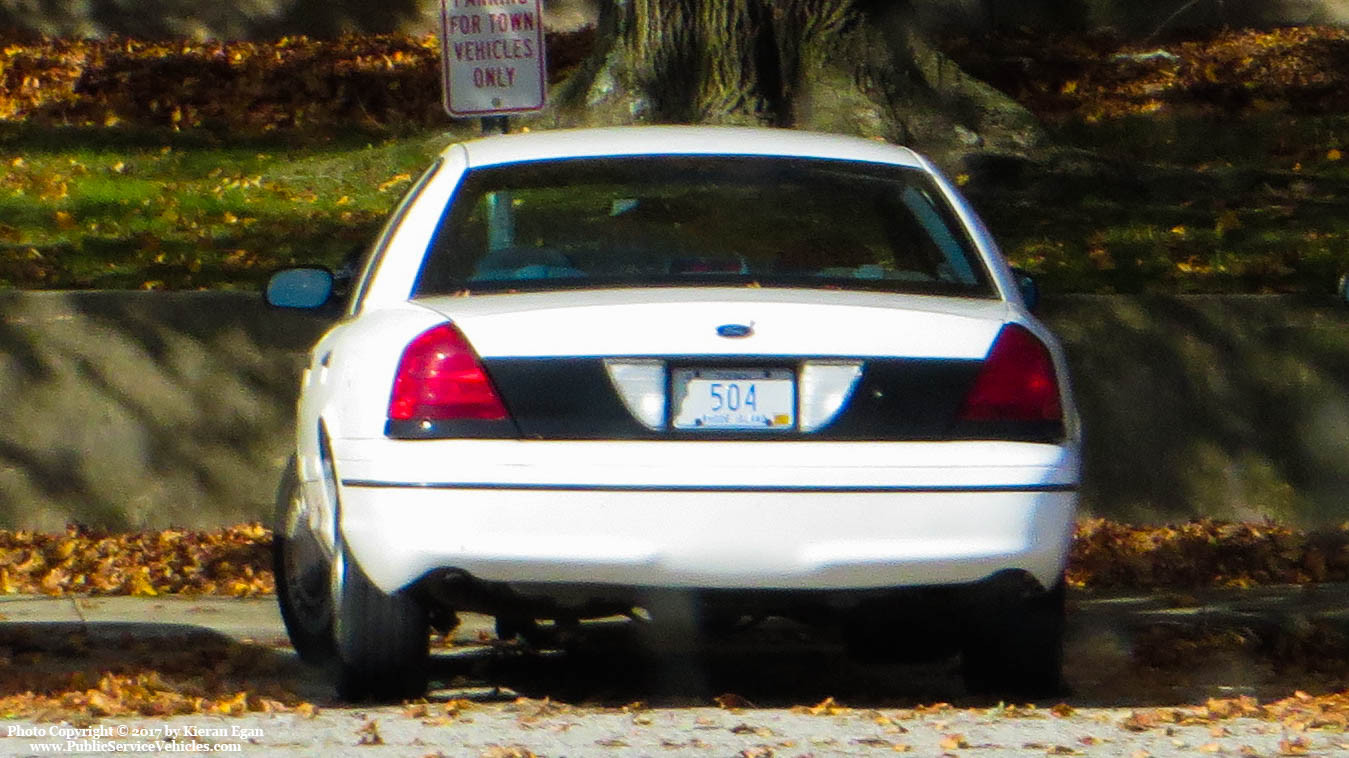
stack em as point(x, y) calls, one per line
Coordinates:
point(493, 64)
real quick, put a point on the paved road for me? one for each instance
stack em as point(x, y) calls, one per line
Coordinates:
point(1131, 659)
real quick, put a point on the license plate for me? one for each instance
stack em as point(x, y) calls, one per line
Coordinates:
point(736, 399)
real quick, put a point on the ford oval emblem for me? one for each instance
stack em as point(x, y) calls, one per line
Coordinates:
point(735, 330)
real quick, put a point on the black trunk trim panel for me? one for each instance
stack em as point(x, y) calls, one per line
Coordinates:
point(896, 399)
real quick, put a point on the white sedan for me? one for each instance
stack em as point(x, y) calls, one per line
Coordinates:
point(736, 372)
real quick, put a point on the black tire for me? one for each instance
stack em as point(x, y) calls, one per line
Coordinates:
point(1015, 649)
point(303, 576)
point(383, 641)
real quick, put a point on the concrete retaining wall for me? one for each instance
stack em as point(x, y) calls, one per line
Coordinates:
point(129, 409)
point(1234, 407)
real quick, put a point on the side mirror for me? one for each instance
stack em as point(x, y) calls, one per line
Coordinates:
point(305, 288)
point(1030, 291)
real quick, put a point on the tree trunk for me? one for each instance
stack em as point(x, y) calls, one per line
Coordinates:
point(850, 66)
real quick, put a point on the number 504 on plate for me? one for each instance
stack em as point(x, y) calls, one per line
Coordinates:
point(734, 399)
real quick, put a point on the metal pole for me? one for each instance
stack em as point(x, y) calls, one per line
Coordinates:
point(495, 125)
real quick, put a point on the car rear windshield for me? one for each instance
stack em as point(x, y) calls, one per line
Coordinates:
point(690, 221)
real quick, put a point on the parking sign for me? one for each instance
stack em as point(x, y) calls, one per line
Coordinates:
point(493, 57)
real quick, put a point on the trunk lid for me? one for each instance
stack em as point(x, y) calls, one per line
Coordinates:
point(684, 322)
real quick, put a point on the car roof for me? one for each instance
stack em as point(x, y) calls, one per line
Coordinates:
point(679, 140)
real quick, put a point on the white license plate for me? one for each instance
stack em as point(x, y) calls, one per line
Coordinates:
point(739, 399)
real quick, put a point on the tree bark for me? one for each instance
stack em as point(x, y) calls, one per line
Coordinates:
point(850, 66)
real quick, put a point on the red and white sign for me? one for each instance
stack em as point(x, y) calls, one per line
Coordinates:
point(493, 57)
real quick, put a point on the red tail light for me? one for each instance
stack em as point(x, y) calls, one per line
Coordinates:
point(1017, 381)
point(440, 378)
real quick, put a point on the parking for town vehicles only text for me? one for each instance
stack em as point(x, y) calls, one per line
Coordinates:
point(493, 57)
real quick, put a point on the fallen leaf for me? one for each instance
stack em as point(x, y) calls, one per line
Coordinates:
point(508, 751)
point(953, 742)
point(826, 707)
point(369, 734)
point(731, 701)
point(394, 182)
point(1296, 746)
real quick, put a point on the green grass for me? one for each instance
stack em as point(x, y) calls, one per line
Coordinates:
point(1177, 204)
point(1169, 203)
point(110, 209)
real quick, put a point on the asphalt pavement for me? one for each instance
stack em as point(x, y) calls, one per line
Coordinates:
point(748, 695)
point(258, 620)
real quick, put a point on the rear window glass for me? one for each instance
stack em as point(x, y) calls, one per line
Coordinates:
point(688, 221)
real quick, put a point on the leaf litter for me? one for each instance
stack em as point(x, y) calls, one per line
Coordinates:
point(63, 676)
point(294, 82)
point(234, 561)
point(228, 678)
point(1096, 77)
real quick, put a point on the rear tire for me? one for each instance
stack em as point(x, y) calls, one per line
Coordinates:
point(1016, 648)
point(383, 641)
point(303, 575)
